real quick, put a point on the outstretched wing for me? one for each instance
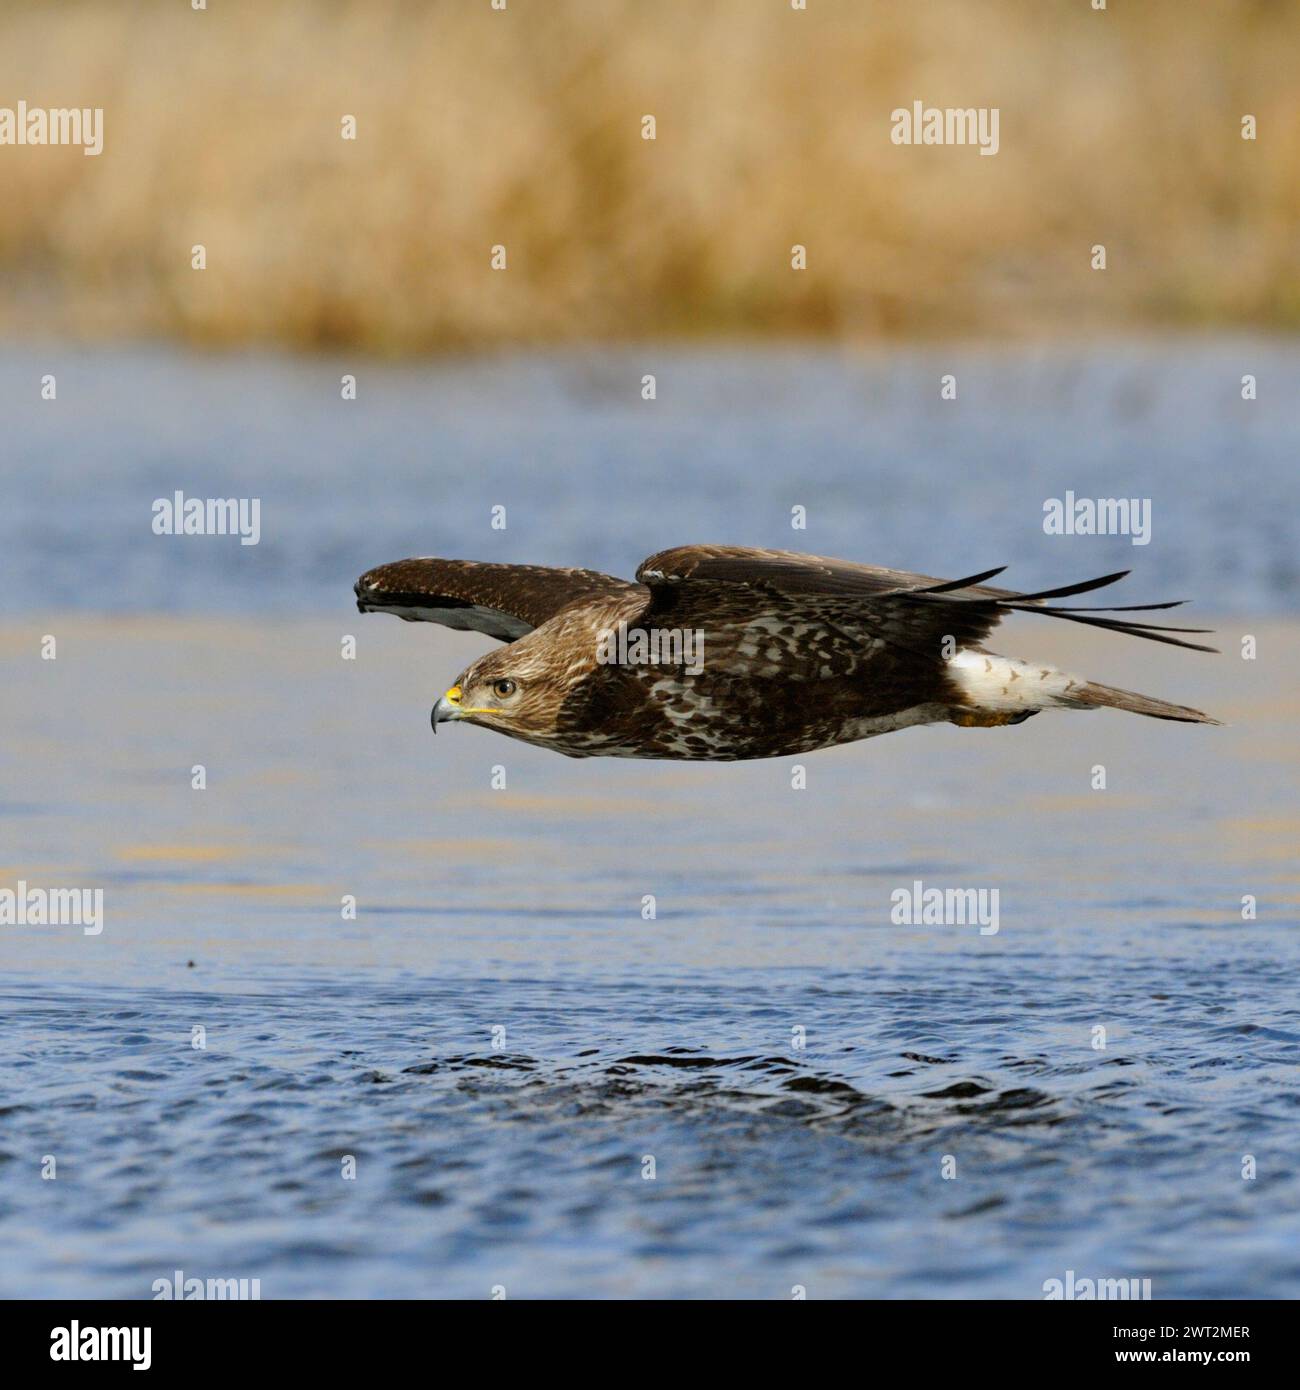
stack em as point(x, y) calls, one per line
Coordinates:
point(505, 601)
point(768, 613)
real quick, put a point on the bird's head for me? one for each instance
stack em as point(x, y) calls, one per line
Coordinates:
point(515, 691)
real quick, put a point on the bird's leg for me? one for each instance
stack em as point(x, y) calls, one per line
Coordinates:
point(988, 719)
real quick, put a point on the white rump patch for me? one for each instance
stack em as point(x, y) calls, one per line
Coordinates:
point(1004, 685)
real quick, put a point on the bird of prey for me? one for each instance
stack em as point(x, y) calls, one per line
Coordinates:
point(719, 652)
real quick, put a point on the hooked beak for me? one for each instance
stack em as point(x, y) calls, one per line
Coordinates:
point(450, 707)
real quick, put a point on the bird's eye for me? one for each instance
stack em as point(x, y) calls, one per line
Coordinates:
point(503, 689)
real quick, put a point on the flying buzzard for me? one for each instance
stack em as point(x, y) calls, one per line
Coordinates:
point(719, 652)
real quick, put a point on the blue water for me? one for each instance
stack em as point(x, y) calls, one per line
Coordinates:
point(501, 1040)
point(591, 474)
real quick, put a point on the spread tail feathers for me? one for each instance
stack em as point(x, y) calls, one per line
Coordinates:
point(1092, 696)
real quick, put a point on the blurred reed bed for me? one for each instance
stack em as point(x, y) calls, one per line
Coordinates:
point(523, 127)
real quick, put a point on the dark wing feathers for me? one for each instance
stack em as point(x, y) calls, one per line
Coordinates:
point(963, 583)
point(504, 601)
point(785, 570)
point(758, 608)
point(906, 610)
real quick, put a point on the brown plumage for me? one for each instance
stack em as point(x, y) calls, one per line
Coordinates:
point(721, 652)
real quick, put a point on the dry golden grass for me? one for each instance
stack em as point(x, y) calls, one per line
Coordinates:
point(523, 128)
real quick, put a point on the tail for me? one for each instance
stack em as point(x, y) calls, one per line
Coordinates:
point(991, 690)
point(1089, 695)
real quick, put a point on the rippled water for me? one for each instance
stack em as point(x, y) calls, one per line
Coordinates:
point(500, 1040)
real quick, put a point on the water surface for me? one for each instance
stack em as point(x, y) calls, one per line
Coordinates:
point(501, 1039)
